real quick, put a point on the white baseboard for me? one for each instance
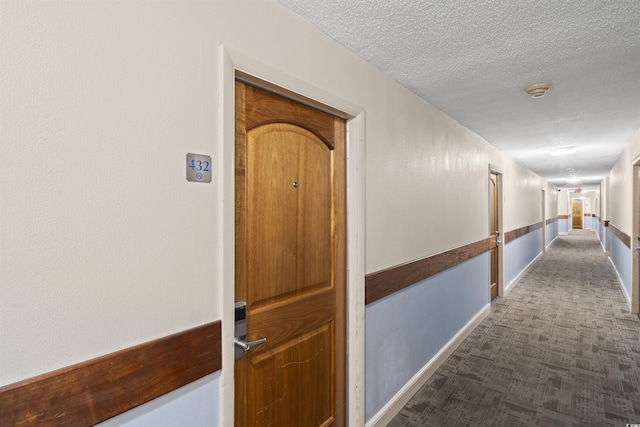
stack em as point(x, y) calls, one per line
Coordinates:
point(627, 297)
point(397, 402)
point(551, 242)
point(520, 275)
point(606, 252)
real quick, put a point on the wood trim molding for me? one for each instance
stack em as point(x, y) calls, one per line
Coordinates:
point(593, 215)
point(563, 216)
point(551, 220)
point(587, 214)
point(514, 234)
point(606, 222)
point(95, 390)
point(385, 282)
point(624, 238)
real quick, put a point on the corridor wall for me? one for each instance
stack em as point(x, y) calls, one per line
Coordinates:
point(620, 212)
point(564, 214)
point(106, 245)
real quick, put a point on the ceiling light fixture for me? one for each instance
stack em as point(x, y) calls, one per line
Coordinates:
point(563, 151)
point(538, 90)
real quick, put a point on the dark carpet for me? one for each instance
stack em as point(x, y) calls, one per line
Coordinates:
point(561, 349)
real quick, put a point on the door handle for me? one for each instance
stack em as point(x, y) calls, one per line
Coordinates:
point(241, 346)
point(246, 346)
point(498, 242)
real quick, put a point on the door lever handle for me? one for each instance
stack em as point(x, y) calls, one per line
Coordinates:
point(498, 242)
point(246, 346)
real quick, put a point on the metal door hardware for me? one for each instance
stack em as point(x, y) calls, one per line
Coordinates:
point(239, 340)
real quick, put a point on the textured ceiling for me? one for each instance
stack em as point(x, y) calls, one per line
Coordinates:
point(473, 59)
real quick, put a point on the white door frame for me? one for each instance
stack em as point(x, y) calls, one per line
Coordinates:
point(635, 243)
point(232, 60)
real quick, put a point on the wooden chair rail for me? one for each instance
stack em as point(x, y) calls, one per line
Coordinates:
point(519, 232)
point(385, 282)
point(95, 390)
point(624, 238)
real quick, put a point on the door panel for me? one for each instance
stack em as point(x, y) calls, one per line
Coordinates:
point(288, 212)
point(275, 376)
point(290, 261)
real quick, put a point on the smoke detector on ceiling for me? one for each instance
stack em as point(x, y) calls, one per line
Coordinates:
point(538, 90)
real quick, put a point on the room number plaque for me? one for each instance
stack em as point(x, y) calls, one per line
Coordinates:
point(198, 168)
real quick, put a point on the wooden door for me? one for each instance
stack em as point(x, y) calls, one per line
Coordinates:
point(576, 214)
point(494, 232)
point(290, 261)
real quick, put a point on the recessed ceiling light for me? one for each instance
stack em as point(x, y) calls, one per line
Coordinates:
point(537, 90)
point(563, 151)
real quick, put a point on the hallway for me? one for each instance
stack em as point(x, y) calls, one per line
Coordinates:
point(561, 349)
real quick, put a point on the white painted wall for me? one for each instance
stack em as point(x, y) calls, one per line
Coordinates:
point(621, 188)
point(106, 245)
point(523, 197)
point(551, 204)
point(563, 203)
point(604, 199)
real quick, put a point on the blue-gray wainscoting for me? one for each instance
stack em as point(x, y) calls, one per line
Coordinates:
point(620, 256)
point(551, 232)
point(563, 225)
point(406, 329)
point(519, 253)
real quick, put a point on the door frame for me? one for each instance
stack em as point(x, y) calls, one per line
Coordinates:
point(235, 63)
point(500, 198)
point(635, 242)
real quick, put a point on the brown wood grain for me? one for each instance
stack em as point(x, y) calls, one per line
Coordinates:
point(268, 320)
point(606, 222)
point(385, 282)
point(551, 220)
point(494, 227)
point(563, 216)
point(514, 234)
point(265, 105)
point(95, 390)
point(240, 369)
point(624, 238)
point(339, 272)
point(290, 261)
point(576, 214)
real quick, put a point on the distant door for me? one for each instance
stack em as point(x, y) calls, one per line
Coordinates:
point(544, 221)
point(494, 232)
point(290, 261)
point(576, 214)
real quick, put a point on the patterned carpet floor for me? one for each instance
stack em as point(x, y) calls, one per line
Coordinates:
point(561, 349)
